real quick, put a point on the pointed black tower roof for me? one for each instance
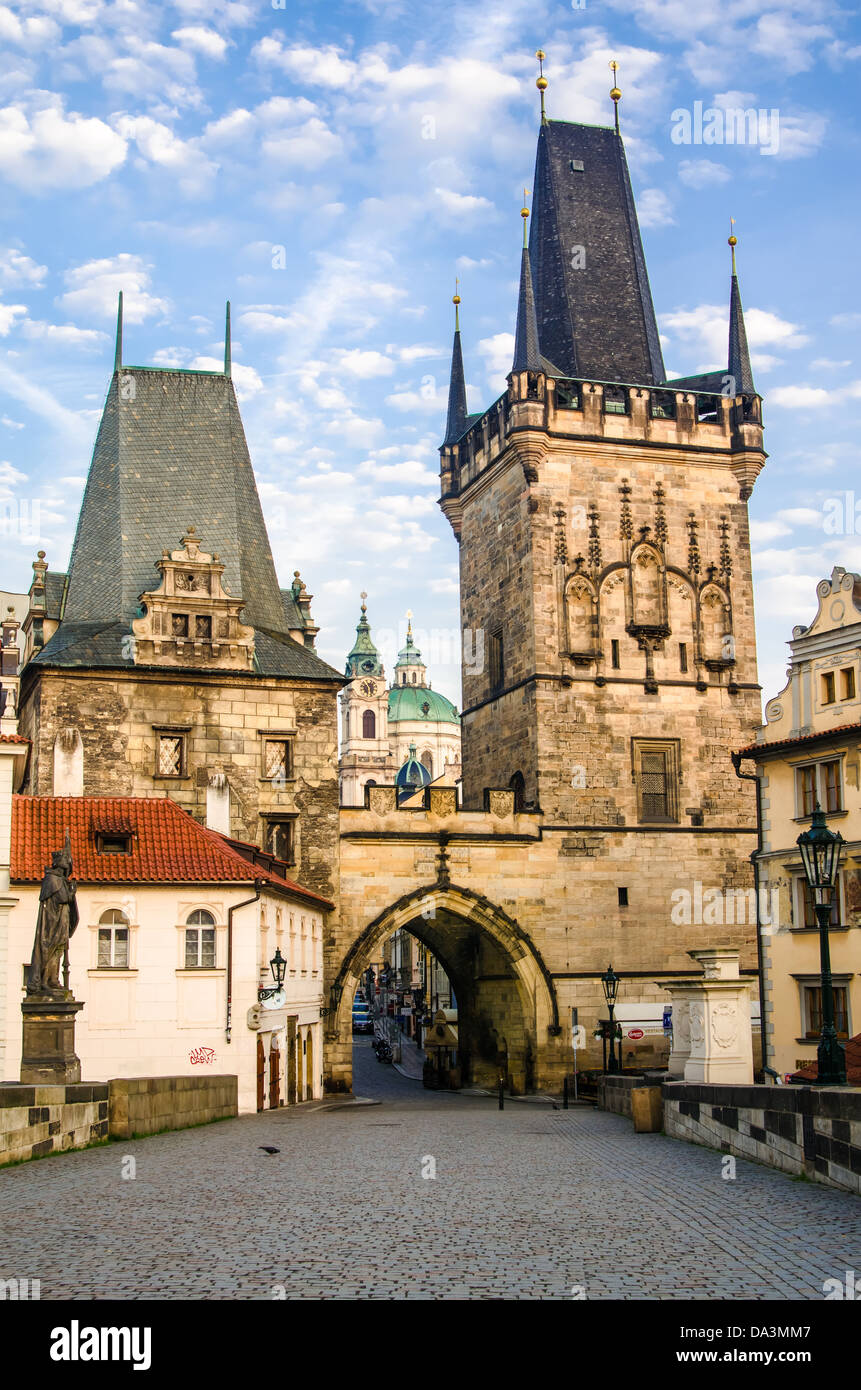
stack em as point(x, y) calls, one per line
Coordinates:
point(170, 453)
point(527, 349)
point(739, 357)
point(592, 299)
point(457, 419)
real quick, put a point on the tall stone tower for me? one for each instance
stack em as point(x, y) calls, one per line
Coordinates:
point(601, 512)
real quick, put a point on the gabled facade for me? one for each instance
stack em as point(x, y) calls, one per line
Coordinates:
point(808, 752)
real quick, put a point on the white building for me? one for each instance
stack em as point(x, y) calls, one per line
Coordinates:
point(177, 926)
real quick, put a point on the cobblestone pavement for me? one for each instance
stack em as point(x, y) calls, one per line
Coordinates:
point(527, 1203)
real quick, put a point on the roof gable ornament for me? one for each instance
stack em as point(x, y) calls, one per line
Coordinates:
point(191, 619)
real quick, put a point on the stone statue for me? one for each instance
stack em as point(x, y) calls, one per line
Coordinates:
point(57, 920)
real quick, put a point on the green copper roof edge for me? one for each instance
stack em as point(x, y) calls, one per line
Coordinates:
point(177, 371)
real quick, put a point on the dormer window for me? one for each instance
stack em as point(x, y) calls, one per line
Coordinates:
point(114, 842)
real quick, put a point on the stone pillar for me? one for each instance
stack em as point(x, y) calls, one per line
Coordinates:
point(680, 996)
point(721, 1047)
point(48, 1051)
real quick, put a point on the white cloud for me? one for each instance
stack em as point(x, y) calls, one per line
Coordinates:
point(828, 364)
point(201, 40)
point(654, 208)
point(47, 149)
point(850, 320)
point(800, 397)
point(17, 269)
point(498, 354)
point(246, 380)
point(304, 146)
point(461, 204)
point(8, 314)
point(32, 33)
point(408, 471)
point(363, 363)
point(63, 335)
point(92, 289)
point(703, 173)
point(705, 331)
point(158, 145)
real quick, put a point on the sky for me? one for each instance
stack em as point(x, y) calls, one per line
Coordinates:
point(330, 169)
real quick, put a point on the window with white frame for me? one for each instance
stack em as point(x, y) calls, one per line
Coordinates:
point(819, 782)
point(113, 940)
point(199, 940)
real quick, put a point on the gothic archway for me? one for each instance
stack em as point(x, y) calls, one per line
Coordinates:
point(502, 984)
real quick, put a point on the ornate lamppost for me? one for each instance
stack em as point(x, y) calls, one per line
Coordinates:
point(278, 966)
point(820, 853)
point(610, 981)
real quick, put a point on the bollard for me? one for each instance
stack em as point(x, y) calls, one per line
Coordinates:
point(565, 1092)
point(501, 1096)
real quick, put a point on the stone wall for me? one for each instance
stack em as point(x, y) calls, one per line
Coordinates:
point(39, 1120)
point(799, 1129)
point(148, 1105)
point(224, 717)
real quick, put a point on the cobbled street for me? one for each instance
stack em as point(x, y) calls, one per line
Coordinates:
point(528, 1203)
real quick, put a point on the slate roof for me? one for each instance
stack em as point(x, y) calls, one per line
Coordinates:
point(168, 846)
point(739, 356)
point(456, 421)
point(171, 452)
point(527, 351)
point(597, 322)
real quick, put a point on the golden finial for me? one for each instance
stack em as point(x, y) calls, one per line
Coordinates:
point(524, 213)
point(455, 299)
point(732, 241)
point(615, 92)
point(541, 82)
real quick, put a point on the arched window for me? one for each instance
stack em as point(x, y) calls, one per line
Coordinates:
point(414, 677)
point(518, 786)
point(113, 940)
point(200, 940)
point(427, 761)
point(369, 724)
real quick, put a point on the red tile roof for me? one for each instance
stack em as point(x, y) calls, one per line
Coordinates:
point(167, 845)
point(13, 738)
point(853, 1064)
point(753, 750)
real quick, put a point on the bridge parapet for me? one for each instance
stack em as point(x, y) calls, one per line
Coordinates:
point(436, 811)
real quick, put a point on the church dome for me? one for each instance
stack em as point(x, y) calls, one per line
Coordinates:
point(412, 776)
point(418, 702)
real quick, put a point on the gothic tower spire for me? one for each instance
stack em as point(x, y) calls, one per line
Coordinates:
point(457, 415)
point(738, 366)
point(118, 349)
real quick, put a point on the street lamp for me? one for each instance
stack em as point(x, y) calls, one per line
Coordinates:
point(278, 966)
point(820, 854)
point(610, 981)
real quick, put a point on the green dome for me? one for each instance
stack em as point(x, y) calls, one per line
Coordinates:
point(418, 702)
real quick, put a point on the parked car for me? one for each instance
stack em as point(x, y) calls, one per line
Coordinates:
point(363, 1020)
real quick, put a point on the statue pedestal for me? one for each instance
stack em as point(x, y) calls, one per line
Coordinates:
point(48, 1051)
point(711, 1022)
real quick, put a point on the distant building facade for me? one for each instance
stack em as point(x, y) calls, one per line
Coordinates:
point(381, 723)
point(808, 753)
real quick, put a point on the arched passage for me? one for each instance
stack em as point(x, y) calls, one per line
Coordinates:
point(506, 1001)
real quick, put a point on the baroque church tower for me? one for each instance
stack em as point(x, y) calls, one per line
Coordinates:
point(601, 512)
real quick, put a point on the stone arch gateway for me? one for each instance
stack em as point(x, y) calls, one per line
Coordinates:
point(506, 996)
